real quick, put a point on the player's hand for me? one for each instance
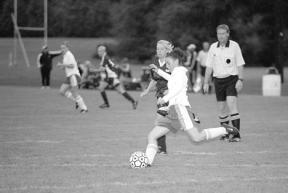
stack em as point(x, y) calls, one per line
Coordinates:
point(153, 67)
point(144, 93)
point(206, 87)
point(161, 101)
point(239, 85)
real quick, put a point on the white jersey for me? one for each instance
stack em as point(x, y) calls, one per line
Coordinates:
point(177, 86)
point(68, 58)
point(202, 58)
point(224, 60)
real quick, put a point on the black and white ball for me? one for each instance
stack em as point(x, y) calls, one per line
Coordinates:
point(138, 160)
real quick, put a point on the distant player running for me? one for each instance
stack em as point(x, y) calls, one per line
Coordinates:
point(180, 116)
point(111, 78)
point(69, 88)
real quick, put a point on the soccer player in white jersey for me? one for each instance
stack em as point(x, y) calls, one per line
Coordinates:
point(69, 88)
point(180, 116)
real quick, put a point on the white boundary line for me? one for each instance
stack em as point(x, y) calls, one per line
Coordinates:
point(31, 141)
point(140, 183)
point(225, 153)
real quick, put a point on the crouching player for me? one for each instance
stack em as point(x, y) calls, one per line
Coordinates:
point(69, 88)
point(180, 116)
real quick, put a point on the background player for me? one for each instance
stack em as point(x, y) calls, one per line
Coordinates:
point(201, 60)
point(180, 114)
point(163, 48)
point(69, 88)
point(226, 61)
point(111, 78)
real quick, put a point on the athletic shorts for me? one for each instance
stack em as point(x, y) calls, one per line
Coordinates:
point(179, 118)
point(114, 82)
point(203, 70)
point(225, 87)
point(72, 80)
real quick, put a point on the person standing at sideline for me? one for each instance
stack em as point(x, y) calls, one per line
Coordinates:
point(226, 61)
point(201, 59)
point(44, 62)
point(69, 88)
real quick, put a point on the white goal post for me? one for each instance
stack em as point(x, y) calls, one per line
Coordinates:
point(18, 29)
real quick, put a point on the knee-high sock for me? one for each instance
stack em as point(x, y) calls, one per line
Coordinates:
point(128, 97)
point(162, 143)
point(104, 96)
point(235, 119)
point(81, 103)
point(212, 133)
point(224, 119)
point(69, 95)
point(151, 151)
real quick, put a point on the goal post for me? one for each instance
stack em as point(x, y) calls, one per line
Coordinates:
point(17, 33)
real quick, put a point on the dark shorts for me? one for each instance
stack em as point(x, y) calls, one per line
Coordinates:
point(225, 87)
point(203, 69)
point(114, 82)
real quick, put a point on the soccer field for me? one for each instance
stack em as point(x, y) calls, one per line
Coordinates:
point(48, 147)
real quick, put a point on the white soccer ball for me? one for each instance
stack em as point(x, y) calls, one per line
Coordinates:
point(138, 160)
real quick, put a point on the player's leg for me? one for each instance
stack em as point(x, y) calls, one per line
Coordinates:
point(102, 86)
point(48, 77)
point(65, 91)
point(42, 71)
point(119, 87)
point(185, 117)
point(223, 111)
point(74, 90)
point(152, 147)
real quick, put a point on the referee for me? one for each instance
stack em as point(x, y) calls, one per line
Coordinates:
point(226, 62)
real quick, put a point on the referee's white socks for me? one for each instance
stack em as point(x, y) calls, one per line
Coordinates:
point(212, 133)
point(151, 151)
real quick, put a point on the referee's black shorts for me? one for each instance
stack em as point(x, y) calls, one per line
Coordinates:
point(225, 87)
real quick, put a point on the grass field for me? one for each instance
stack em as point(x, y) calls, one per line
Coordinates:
point(48, 147)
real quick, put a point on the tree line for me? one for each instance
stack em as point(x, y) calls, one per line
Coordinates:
point(260, 26)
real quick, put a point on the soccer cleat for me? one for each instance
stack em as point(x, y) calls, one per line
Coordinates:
point(236, 138)
point(135, 104)
point(224, 138)
point(162, 112)
point(76, 105)
point(104, 106)
point(162, 152)
point(84, 111)
point(231, 130)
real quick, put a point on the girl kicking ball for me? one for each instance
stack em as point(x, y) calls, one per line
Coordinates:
point(180, 116)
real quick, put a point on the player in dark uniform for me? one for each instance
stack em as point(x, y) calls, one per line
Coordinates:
point(163, 48)
point(110, 78)
point(44, 62)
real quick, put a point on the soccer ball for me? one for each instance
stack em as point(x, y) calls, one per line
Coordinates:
point(138, 160)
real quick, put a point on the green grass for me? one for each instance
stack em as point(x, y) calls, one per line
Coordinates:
point(47, 147)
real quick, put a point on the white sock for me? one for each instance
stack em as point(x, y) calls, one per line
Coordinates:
point(81, 103)
point(212, 133)
point(69, 95)
point(151, 151)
